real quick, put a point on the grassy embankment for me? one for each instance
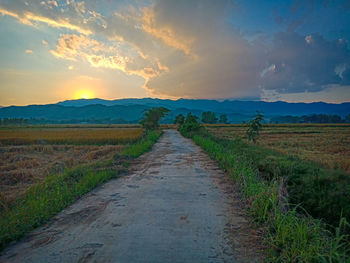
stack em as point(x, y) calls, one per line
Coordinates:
point(302, 205)
point(44, 200)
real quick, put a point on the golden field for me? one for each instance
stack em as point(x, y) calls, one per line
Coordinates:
point(328, 144)
point(68, 135)
point(28, 154)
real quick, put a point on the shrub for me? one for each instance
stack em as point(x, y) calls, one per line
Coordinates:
point(191, 124)
point(152, 117)
point(180, 119)
point(254, 126)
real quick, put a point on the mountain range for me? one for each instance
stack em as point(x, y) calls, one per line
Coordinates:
point(132, 110)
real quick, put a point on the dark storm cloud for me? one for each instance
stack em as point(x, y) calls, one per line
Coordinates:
point(306, 63)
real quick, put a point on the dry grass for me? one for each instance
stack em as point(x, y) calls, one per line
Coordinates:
point(326, 144)
point(82, 135)
point(23, 166)
point(29, 154)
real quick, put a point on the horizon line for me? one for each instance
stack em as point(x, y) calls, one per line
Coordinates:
point(153, 98)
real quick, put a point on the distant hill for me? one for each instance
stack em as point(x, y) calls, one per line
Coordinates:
point(132, 110)
point(226, 106)
point(58, 113)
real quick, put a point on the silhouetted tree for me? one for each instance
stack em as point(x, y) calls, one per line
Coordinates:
point(191, 124)
point(209, 117)
point(180, 119)
point(254, 127)
point(152, 117)
point(347, 118)
point(223, 118)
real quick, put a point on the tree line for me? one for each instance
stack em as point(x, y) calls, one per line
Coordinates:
point(22, 121)
point(207, 117)
point(314, 118)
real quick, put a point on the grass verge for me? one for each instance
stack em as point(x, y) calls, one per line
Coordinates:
point(291, 236)
point(44, 200)
point(135, 150)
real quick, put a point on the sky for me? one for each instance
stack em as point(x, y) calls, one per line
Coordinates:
point(295, 51)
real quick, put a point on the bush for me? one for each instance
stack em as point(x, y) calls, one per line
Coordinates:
point(191, 124)
point(254, 127)
point(180, 119)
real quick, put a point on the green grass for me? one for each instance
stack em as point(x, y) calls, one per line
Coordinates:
point(42, 201)
point(135, 150)
point(46, 199)
point(291, 236)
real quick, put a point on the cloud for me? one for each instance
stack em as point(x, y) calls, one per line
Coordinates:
point(99, 55)
point(44, 42)
point(49, 4)
point(48, 12)
point(190, 48)
point(306, 63)
point(29, 51)
point(166, 33)
point(214, 59)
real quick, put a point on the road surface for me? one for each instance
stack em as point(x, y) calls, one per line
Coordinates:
point(172, 207)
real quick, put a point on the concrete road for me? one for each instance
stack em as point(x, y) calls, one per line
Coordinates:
point(170, 208)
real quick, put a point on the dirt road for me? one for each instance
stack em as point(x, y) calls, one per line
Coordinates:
point(172, 207)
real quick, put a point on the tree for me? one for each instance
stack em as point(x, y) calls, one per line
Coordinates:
point(347, 118)
point(223, 118)
point(191, 124)
point(180, 119)
point(190, 118)
point(152, 117)
point(209, 117)
point(254, 127)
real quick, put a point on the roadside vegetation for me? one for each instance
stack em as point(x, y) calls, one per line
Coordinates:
point(46, 197)
point(303, 206)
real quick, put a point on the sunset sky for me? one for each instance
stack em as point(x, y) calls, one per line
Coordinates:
point(252, 50)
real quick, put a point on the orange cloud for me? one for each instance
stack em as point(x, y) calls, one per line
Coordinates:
point(99, 55)
point(30, 19)
point(166, 34)
point(70, 45)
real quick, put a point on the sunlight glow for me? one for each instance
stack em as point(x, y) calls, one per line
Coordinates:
point(84, 94)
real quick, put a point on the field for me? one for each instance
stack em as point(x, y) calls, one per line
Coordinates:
point(322, 143)
point(68, 135)
point(29, 154)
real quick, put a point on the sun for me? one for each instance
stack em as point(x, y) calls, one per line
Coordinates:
point(84, 94)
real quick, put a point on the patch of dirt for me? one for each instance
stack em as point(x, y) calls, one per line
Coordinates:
point(83, 216)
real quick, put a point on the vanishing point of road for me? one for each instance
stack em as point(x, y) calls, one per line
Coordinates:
point(173, 206)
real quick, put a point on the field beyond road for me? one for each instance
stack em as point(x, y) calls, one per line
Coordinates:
point(175, 206)
point(327, 144)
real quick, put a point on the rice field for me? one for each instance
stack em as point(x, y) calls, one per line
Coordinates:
point(68, 135)
point(25, 165)
point(327, 144)
point(28, 154)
